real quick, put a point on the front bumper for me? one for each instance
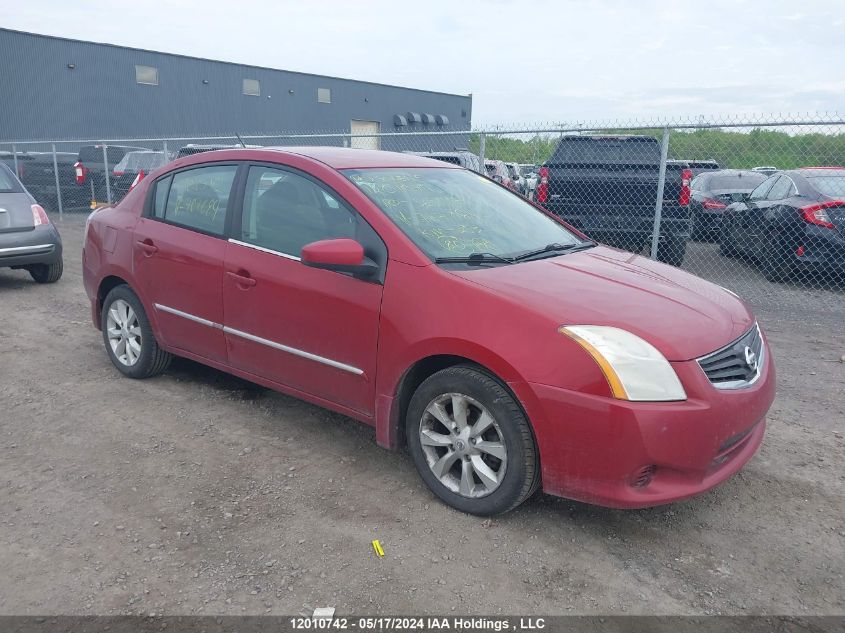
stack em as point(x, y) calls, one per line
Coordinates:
point(597, 449)
point(41, 245)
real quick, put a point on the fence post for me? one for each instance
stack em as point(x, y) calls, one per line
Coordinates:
point(166, 153)
point(661, 184)
point(482, 146)
point(58, 185)
point(15, 160)
point(106, 172)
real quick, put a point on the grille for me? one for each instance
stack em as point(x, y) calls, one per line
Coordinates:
point(736, 365)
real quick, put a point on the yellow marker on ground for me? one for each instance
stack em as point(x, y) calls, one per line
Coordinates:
point(377, 547)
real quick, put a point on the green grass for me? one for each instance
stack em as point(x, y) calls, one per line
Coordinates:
point(730, 149)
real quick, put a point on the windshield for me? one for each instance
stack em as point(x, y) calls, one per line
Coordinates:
point(742, 182)
point(135, 161)
point(455, 212)
point(7, 181)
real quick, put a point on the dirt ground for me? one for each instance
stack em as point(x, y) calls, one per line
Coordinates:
point(198, 493)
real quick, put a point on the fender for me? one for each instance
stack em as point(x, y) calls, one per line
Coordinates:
point(389, 381)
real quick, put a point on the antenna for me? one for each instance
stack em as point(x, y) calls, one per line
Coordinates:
point(241, 140)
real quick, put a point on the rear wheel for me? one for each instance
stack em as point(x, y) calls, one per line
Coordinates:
point(776, 261)
point(128, 337)
point(471, 442)
point(46, 273)
point(672, 250)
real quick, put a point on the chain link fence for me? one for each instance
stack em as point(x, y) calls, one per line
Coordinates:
point(757, 206)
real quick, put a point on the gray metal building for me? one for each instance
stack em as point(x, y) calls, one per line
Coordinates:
point(55, 88)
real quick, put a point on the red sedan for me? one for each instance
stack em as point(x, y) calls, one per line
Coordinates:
point(506, 350)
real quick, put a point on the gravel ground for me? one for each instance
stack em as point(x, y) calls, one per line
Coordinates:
point(198, 493)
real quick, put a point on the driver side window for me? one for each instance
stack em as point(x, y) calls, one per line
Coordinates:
point(284, 211)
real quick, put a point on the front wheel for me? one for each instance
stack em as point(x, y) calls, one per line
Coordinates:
point(471, 442)
point(129, 339)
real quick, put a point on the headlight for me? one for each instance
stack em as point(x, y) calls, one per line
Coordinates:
point(634, 369)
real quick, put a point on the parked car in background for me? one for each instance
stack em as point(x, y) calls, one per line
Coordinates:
point(568, 365)
point(768, 170)
point(516, 177)
point(498, 171)
point(606, 186)
point(792, 223)
point(132, 166)
point(36, 172)
point(465, 159)
point(93, 169)
point(530, 178)
point(712, 192)
point(28, 240)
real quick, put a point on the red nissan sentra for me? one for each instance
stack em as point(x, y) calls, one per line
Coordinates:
point(506, 350)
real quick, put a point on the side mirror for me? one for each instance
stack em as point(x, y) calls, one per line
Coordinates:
point(341, 255)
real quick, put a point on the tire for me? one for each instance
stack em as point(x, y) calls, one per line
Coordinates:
point(775, 264)
point(46, 273)
point(726, 245)
point(140, 355)
point(475, 481)
point(672, 251)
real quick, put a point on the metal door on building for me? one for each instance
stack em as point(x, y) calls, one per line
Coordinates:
point(364, 127)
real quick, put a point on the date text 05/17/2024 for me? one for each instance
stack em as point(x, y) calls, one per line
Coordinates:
point(428, 623)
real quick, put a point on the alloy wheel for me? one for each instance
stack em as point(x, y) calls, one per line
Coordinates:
point(463, 445)
point(124, 333)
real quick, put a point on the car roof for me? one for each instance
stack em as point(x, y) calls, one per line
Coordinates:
point(715, 173)
point(810, 172)
point(335, 157)
point(457, 152)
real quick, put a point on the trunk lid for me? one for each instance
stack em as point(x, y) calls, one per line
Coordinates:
point(15, 212)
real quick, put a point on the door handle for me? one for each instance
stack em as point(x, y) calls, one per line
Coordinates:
point(147, 246)
point(243, 280)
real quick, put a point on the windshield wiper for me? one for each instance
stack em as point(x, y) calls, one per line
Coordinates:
point(554, 249)
point(474, 258)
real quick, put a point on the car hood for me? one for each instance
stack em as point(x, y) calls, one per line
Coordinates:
point(683, 316)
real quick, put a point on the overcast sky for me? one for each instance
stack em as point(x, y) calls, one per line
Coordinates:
point(524, 62)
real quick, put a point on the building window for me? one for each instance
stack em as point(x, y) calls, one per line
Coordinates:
point(146, 75)
point(252, 87)
point(324, 95)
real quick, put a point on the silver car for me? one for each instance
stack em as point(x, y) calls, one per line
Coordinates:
point(28, 240)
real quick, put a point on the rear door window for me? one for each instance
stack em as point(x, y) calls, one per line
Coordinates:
point(780, 189)
point(198, 198)
point(762, 189)
point(612, 150)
